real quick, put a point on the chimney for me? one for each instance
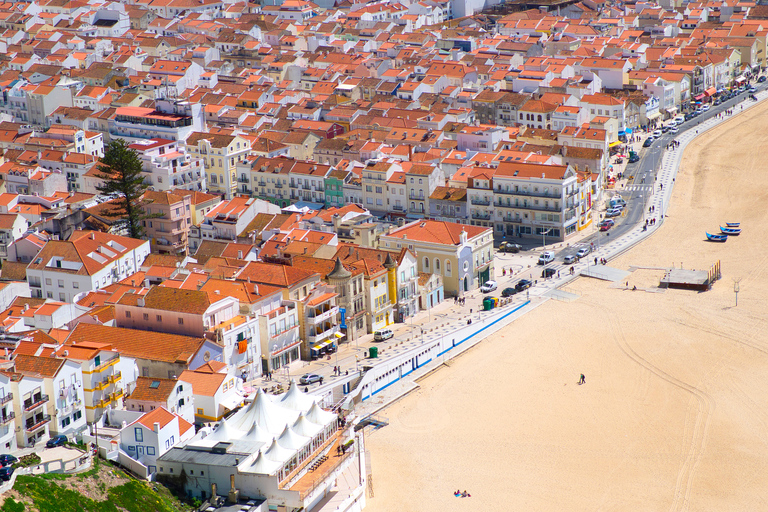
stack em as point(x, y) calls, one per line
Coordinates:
point(239, 255)
point(156, 427)
point(146, 283)
point(217, 292)
point(141, 302)
point(256, 289)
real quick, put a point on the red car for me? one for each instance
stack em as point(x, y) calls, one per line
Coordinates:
point(606, 225)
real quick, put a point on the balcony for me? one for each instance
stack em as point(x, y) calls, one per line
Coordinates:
point(398, 208)
point(481, 216)
point(528, 193)
point(38, 423)
point(324, 316)
point(321, 336)
point(5, 399)
point(107, 363)
point(7, 418)
point(115, 377)
point(243, 179)
point(481, 201)
point(35, 402)
point(529, 207)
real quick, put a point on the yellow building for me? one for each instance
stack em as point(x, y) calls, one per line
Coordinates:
point(220, 154)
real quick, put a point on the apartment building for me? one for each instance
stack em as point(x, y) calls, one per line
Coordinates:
point(163, 121)
point(169, 223)
point(420, 181)
point(532, 200)
point(12, 228)
point(7, 415)
point(168, 165)
point(220, 155)
point(107, 377)
point(50, 402)
point(462, 254)
point(89, 260)
point(375, 176)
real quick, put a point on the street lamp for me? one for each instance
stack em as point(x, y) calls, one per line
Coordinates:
point(544, 237)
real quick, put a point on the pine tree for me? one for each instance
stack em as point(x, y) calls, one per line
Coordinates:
point(120, 172)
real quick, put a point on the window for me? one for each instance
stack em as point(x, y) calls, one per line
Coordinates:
point(139, 434)
point(61, 283)
point(154, 384)
point(426, 263)
point(199, 411)
point(448, 268)
point(150, 450)
point(127, 314)
point(181, 321)
point(159, 318)
point(146, 316)
point(437, 265)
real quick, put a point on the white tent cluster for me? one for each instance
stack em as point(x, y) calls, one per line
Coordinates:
point(279, 434)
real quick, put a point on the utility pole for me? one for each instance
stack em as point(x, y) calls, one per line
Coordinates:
point(736, 289)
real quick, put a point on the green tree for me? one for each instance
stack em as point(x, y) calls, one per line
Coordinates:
point(120, 172)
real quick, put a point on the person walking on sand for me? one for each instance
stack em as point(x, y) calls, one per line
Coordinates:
point(582, 380)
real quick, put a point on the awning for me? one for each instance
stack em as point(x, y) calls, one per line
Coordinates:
point(339, 335)
point(655, 115)
point(612, 144)
point(741, 79)
point(231, 402)
point(698, 97)
point(710, 91)
point(629, 131)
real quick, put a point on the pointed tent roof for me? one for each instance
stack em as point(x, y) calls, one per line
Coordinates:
point(319, 416)
point(265, 413)
point(224, 432)
point(339, 272)
point(277, 453)
point(263, 465)
point(296, 400)
point(258, 435)
point(306, 428)
point(290, 440)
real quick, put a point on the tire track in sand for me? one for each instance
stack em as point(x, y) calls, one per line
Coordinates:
point(705, 406)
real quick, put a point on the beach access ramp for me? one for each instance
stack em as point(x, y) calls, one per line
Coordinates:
point(604, 272)
point(372, 420)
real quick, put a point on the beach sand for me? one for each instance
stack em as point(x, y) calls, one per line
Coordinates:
point(674, 411)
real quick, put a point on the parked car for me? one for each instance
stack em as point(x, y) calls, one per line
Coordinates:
point(546, 257)
point(508, 292)
point(383, 334)
point(674, 129)
point(606, 224)
point(752, 88)
point(489, 286)
point(648, 142)
point(761, 80)
point(613, 212)
point(310, 378)
point(570, 259)
point(514, 248)
point(548, 272)
point(633, 157)
point(583, 251)
point(56, 441)
point(5, 473)
point(7, 459)
point(523, 284)
point(657, 133)
point(705, 107)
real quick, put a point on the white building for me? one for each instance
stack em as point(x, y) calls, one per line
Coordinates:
point(216, 392)
point(152, 393)
point(87, 261)
point(7, 416)
point(168, 165)
point(153, 434)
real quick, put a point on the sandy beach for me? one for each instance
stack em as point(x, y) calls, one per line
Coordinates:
point(673, 414)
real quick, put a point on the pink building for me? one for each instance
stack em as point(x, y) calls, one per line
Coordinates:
point(169, 230)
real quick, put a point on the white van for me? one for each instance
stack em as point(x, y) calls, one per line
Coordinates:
point(383, 334)
point(546, 257)
point(679, 119)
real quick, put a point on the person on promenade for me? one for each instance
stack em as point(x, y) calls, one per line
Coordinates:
point(582, 380)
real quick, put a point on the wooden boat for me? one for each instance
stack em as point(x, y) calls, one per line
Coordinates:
point(717, 238)
point(733, 224)
point(730, 231)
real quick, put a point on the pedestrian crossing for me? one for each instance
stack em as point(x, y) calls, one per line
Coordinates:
point(632, 188)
